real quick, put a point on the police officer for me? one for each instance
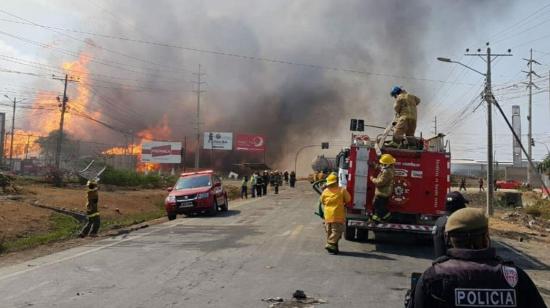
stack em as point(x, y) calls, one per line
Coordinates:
point(470, 274)
point(455, 201)
point(91, 210)
point(384, 188)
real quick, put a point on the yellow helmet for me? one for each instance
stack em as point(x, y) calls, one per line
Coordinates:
point(387, 159)
point(332, 179)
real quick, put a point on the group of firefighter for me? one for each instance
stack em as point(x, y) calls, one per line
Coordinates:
point(466, 271)
point(258, 182)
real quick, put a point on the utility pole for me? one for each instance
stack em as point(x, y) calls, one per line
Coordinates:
point(435, 125)
point(27, 146)
point(197, 124)
point(530, 85)
point(63, 101)
point(488, 97)
point(12, 129)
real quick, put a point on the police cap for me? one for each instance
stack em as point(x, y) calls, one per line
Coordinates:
point(455, 201)
point(467, 220)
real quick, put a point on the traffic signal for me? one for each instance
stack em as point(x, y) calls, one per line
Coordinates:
point(353, 125)
point(532, 142)
point(360, 125)
point(324, 145)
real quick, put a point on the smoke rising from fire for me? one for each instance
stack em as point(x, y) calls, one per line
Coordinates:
point(292, 105)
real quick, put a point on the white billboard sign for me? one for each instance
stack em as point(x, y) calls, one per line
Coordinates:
point(163, 152)
point(218, 141)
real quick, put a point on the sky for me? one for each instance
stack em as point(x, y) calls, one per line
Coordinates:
point(334, 61)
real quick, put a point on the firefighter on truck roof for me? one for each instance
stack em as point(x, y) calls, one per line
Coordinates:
point(384, 188)
point(405, 116)
point(471, 274)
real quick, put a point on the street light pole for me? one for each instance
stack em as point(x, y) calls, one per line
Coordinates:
point(488, 97)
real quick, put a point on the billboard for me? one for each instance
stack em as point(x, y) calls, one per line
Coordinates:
point(218, 141)
point(163, 152)
point(252, 143)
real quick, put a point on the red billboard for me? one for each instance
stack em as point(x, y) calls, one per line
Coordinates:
point(253, 143)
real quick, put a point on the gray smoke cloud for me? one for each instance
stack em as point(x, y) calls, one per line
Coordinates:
point(292, 105)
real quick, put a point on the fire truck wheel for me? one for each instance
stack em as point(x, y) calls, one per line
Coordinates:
point(362, 235)
point(349, 233)
point(172, 216)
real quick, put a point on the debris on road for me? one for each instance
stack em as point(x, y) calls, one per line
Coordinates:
point(299, 299)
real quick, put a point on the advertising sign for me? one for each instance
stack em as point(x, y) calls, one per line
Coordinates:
point(253, 143)
point(163, 152)
point(218, 141)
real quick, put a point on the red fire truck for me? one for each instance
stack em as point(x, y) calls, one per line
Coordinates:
point(422, 180)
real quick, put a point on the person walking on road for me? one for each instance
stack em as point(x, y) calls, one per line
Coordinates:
point(405, 116)
point(259, 185)
point(285, 176)
point(384, 188)
point(92, 226)
point(455, 201)
point(334, 199)
point(244, 188)
point(253, 180)
point(276, 181)
point(265, 180)
point(481, 185)
point(462, 184)
point(471, 274)
point(292, 179)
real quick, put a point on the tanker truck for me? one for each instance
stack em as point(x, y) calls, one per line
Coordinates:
point(321, 167)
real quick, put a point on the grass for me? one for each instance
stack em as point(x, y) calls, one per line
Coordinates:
point(132, 178)
point(541, 208)
point(63, 227)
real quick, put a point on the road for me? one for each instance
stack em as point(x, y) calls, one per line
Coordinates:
point(261, 248)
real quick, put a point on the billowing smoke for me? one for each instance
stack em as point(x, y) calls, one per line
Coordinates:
point(292, 105)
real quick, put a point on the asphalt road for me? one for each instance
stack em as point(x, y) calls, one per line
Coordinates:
point(261, 248)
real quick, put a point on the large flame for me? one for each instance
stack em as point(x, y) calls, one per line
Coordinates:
point(161, 131)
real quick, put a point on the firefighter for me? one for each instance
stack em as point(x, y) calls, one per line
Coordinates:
point(285, 176)
point(405, 116)
point(276, 180)
point(292, 178)
point(92, 226)
point(462, 184)
point(244, 188)
point(334, 199)
point(471, 274)
point(455, 201)
point(266, 179)
point(253, 179)
point(384, 188)
point(259, 185)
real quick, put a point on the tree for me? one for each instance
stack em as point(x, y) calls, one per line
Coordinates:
point(48, 147)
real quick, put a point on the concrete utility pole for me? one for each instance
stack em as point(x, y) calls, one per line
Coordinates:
point(12, 129)
point(488, 97)
point(64, 101)
point(530, 86)
point(197, 127)
point(435, 125)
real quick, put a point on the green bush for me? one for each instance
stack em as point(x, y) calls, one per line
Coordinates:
point(132, 178)
point(541, 208)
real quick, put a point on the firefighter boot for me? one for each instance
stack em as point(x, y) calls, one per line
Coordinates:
point(386, 217)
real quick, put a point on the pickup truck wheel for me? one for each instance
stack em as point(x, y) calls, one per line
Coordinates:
point(172, 216)
point(213, 211)
point(225, 206)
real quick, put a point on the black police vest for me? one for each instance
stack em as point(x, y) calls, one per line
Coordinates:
point(464, 283)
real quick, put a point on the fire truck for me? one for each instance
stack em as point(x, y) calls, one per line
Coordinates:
point(422, 180)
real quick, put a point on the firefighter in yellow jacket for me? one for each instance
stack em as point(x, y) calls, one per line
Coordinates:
point(91, 210)
point(405, 115)
point(384, 188)
point(334, 199)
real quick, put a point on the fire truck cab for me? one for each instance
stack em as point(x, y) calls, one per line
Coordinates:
point(422, 180)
